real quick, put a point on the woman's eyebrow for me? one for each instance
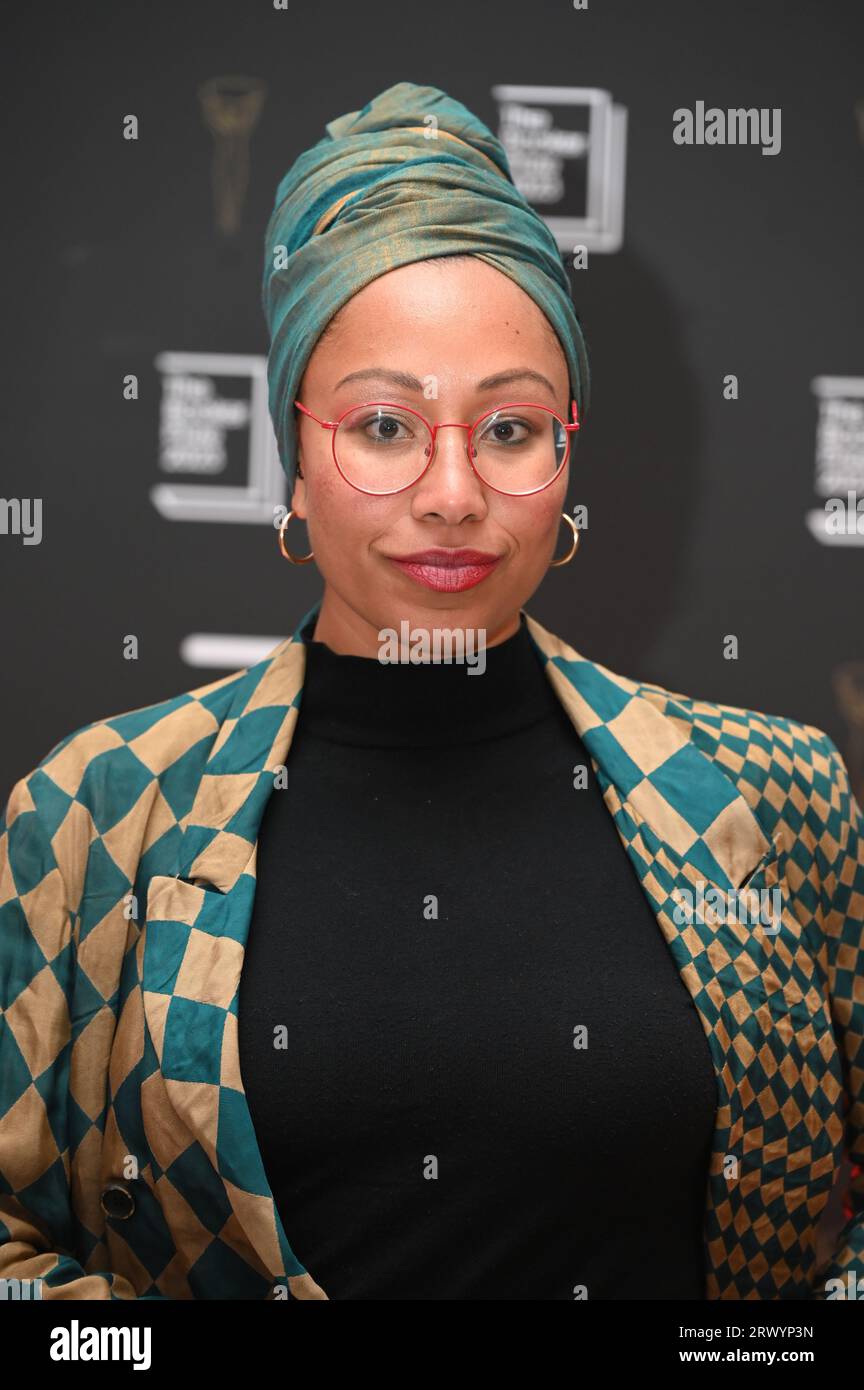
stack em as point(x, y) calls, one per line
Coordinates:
point(491, 383)
point(403, 379)
point(408, 382)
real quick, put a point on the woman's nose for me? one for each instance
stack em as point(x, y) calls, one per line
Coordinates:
point(450, 480)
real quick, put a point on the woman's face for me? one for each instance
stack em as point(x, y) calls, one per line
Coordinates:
point(465, 331)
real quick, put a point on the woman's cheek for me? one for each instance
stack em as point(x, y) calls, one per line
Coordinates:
point(346, 526)
point(535, 527)
point(328, 505)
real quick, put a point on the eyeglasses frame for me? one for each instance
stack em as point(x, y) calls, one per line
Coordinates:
point(448, 424)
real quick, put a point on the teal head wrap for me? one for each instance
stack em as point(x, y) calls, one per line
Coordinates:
point(411, 176)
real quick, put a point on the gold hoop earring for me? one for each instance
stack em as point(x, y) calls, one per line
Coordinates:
point(572, 551)
point(295, 559)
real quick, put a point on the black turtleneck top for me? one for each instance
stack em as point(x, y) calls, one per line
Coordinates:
point(439, 914)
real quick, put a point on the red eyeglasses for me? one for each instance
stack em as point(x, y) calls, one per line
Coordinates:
point(381, 448)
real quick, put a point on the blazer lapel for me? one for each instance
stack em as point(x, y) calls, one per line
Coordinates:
point(692, 806)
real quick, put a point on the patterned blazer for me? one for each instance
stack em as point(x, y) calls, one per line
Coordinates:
point(128, 1159)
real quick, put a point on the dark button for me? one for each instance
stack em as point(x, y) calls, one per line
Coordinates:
point(117, 1201)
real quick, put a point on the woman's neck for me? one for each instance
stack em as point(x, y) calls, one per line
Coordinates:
point(348, 632)
point(423, 703)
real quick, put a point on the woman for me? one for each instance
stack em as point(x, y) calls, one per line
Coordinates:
point(398, 896)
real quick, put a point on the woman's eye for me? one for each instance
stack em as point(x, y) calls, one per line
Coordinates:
point(506, 432)
point(384, 428)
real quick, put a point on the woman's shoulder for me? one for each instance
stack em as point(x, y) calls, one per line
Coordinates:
point(135, 775)
point(733, 734)
point(791, 773)
point(107, 769)
point(797, 784)
point(744, 738)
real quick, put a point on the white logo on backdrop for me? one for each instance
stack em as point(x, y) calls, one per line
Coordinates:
point(839, 461)
point(231, 650)
point(195, 425)
point(198, 425)
point(567, 152)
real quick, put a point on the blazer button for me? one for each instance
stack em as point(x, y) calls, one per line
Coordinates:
point(117, 1201)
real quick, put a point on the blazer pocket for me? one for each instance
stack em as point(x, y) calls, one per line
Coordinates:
point(762, 899)
point(790, 985)
point(768, 871)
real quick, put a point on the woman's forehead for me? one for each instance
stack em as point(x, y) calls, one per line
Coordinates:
point(429, 309)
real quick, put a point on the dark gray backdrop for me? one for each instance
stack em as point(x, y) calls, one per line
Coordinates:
point(731, 262)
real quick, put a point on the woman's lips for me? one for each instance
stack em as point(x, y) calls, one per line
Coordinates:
point(448, 571)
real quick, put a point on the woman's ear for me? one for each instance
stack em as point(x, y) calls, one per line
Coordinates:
point(298, 495)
